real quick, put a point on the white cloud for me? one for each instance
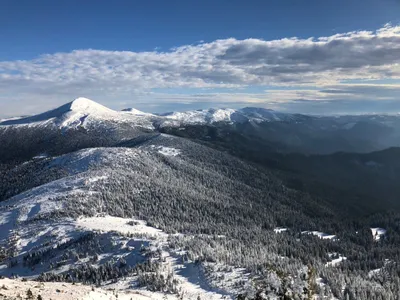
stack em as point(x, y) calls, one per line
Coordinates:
point(112, 76)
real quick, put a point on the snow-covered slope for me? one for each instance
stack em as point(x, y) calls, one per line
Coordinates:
point(20, 289)
point(198, 117)
point(378, 233)
point(69, 215)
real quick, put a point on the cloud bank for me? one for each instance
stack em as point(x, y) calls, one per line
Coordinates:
point(349, 66)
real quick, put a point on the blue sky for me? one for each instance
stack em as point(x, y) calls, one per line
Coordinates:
point(306, 56)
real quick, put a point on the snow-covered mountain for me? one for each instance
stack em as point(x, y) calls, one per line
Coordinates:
point(227, 115)
point(192, 117)
point(89, 123)
point(205, 204)
point(81, 112)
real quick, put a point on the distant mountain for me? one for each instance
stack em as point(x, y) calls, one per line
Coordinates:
point(278, 131)
point(79, 124)
point(81, 112)
point(223, 115)
point(300, 133)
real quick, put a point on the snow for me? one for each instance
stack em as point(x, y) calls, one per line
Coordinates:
point(208, 116)
point(41, 156)
point(63, 231)
point(66, 291)
point(374, 272)
point(109, 224)
point(192, 280)
point(321, 235)
point(378, 233)
point(40, 200)
point(83, 110)
point(336, 261)
point(226, 277)
point(222, 115)
point(97, 178)
point(7, 224)
point(43, 199)
point(137, 112)
point(86, 159)
point(190, 276)
point(86, 105)
point(168, 151)
point(280, 229)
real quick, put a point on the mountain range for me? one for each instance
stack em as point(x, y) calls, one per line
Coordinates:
point(285, 132)
point(220, 203)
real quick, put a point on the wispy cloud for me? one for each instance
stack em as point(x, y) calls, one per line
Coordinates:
point(116, 77)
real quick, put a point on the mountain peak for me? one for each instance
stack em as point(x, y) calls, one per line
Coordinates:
point(68, 113)
point(86, 105)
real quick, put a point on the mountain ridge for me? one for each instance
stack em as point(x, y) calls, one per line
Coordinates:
point(275, 130)
point(88, 107)
point(84, 107)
